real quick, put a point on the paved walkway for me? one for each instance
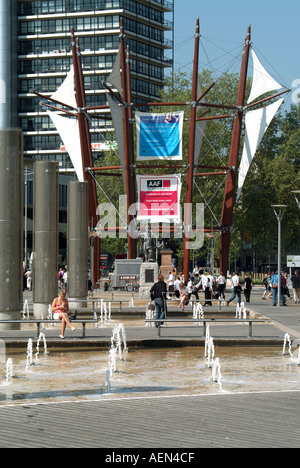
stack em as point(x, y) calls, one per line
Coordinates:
point(256, 419)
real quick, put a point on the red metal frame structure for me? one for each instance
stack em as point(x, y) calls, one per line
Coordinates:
point(231, 169)
point(131, 167)
point(86, 152)
point(84, 133)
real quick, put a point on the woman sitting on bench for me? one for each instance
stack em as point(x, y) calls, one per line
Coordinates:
point(60, 307)
point(183, 295)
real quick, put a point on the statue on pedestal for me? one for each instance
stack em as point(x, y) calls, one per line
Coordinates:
point(150, 246)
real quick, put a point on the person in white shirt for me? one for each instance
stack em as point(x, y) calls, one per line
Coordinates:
point(176, 287)
point(236, 289)
point(196, 271)
point(235, 280)
point(211, 279)
point(191, 289)
point(204, 281)
point(170, 282)
point(65, 277)
point(221, 282)
point(208, 290)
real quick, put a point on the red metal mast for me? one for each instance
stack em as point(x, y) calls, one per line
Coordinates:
point(86, 152)
point(131, 146)
point(230, 186)
point(128, 143)
point(191, 156)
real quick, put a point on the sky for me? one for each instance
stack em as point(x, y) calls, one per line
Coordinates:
point(275, 32)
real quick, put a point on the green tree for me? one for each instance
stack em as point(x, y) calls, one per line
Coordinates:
point(273, 175)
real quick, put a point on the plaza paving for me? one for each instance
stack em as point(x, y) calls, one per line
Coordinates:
point(254, 419)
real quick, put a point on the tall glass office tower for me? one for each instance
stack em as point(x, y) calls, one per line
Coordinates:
point(35, 54)
point(44, 58)
point(8, 64)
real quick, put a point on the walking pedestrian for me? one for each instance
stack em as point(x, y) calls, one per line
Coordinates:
point(247, 287)
point(221, 283)
point(191, 289)
point(208, 291)
point(286, 290)
point(65, 277)
point(296, 286)
point(236, 289)
point(176, 287)
point(274, 285)
point(266, 283)
point(158, 294)
point(171, 281)
point(28, 276)
point(60, 274)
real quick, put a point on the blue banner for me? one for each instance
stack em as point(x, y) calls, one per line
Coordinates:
point(159, 136)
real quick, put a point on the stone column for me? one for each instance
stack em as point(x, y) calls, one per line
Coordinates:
point(45, 246)
point(11, 226)
point(77, 243)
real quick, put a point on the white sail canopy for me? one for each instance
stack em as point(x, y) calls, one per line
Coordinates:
point(115, 76)
point(66, 92)
point(257, 123)
point(69, 132)
point(117, 117)
point(262, 82)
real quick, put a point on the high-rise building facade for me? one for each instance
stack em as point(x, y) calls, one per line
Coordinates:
point(45, 57)
point(35, 55)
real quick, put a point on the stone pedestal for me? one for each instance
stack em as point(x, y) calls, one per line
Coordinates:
point(149, 276)
point(166, 262)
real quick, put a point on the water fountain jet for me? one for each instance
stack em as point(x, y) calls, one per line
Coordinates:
point(25, 312)
point(112, 360)
point(216, 372)
point(29, 354)
point(41, 337)
point(207, 337)
point(198, 312)
point(9, 369)
point(118, 336)
point(287, 340)
point(210, 352)
point(107, 381)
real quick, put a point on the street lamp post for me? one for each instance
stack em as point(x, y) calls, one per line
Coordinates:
point(279, 212)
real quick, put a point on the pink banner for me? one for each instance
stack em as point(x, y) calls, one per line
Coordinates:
point(159, 198)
